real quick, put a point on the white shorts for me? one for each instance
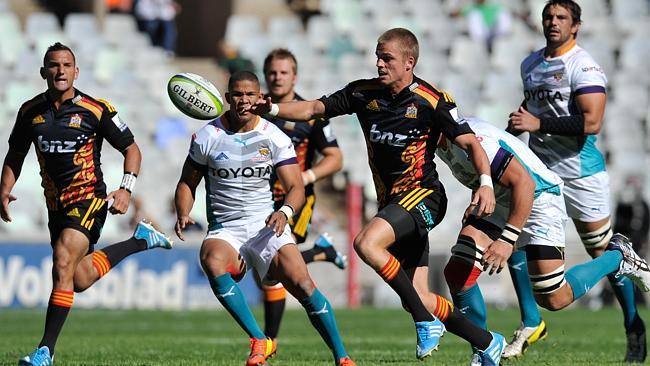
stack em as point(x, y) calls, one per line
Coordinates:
point(545, 225)
point(587, 198)
point(255, 242)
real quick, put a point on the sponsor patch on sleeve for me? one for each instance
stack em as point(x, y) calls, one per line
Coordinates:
point(119, 123)
point(454, 114)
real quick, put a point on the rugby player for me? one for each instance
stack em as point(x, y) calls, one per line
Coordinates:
point(309, 139)
point(529, 217)
point(565, 96)
point(237, 154)
point(67, 128)
point(402, 118)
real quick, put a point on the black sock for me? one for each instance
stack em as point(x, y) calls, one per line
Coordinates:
point(308, 255)
point(57, 312)
point(118, 251)
point(459, 325)
point(396, 278)
point(330, 254)
point(273, 311)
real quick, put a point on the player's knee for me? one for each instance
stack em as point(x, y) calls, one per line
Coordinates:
point(214, 265)
point(462, 270)
point(549, 289)
point(362, 244)
point(596, 241)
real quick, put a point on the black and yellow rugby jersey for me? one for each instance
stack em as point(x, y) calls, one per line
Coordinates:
point(401, 131)
point(68, 144)
point(308, 138)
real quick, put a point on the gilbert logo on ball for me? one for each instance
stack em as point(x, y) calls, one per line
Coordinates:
point(195, 96)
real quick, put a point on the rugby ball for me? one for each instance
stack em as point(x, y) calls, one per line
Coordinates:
point(195, 96)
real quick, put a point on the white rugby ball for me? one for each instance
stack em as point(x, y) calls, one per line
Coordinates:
point(195, 96)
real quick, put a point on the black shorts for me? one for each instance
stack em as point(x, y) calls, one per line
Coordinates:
point(87, 216)
point(412, 215)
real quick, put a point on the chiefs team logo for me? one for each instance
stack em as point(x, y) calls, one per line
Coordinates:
point(75, 121)
point(411, 111)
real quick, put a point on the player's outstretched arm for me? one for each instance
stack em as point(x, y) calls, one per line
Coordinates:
point(298, 111)
point(122, 196)
point(184, 196)
point(483, 201)
point(522, 192)
point(11, 168)
point(291, 180)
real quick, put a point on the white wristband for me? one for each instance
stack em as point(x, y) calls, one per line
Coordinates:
point(128, 181)
point(308, 177)
point(486, 180)
point(287, 211)
point(274, 110)
point(510, 234)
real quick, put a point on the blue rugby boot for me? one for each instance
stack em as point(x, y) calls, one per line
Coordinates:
point(324, 244)
point(429, 334)
point(40, 357)
point(153, 237)
point(491, 356)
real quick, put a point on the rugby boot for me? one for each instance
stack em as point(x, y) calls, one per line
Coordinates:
point(324, 244)
point(346, 361)
point(523, 338)
point(429, 334)
point(153, 237)
point(636, 344)
point(632, 266)
point(491, 356)
point(260, 351)
point(40, 357)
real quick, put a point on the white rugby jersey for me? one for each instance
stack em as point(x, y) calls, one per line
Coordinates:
point(239, 167)
point(500, 148)
point(550, 88)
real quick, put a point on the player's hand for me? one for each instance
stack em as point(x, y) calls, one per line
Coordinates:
point(523, 121)
point(483, 202)
point(121, 199)
point(496, 256)
point(181, 223)
point(277, 222)
point(261, 107)
point(6, 198)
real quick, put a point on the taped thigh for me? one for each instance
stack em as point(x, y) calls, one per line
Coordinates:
point(598, 238)
point(465, 267)
point(550, 282)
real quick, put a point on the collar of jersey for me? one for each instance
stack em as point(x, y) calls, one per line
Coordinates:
point(222, 122)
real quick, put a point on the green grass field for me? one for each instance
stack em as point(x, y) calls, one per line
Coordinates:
point(372, 336)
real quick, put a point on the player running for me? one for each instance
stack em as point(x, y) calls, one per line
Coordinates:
point(565, 96)
point(402, 118)
point(67, 128)
point(529, 217)
point(237, 154)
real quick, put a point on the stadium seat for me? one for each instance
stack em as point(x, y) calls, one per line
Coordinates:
point(17, 92)
point(81, 25)
point(509, 51)
point(41, 23)
point(11, 48)
point(281, 26)
point(624, 11)
point(9, 23)
point(119, 28)
point(241, 27)
point(468, 56)
point(320, 31)
point(110, 61)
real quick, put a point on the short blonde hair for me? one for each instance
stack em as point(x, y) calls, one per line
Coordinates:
point(408, 42)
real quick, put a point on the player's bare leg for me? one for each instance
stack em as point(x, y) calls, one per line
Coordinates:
point(289, 267)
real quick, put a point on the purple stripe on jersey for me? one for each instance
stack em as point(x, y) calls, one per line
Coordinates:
point(590, 89)
point(499, 164)
point(286, 162)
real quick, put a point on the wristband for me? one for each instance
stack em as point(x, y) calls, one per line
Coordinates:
point(274, 110)
point(287, 211)
point(128, 181)
point(486, 180)
point(510, 234)
point(309, 177)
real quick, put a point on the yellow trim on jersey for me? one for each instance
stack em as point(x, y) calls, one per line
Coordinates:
point(93, 108)
point(303, 221)
point(108, 105)
point(427, 96)
point(448, 98)
point(414, 197)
